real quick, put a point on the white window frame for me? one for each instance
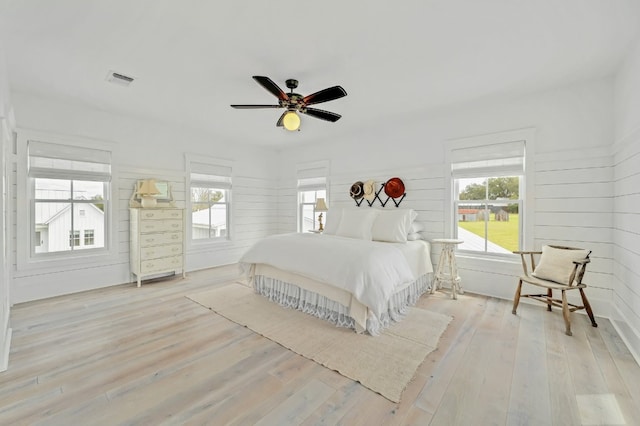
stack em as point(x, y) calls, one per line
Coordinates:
point(526, 213)
point(26, 258)
point(221, 172)
point(311, 176)
point(301, 206)
point(92, 236)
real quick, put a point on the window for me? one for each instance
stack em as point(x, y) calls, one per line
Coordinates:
point(312, 184)
point(308, 218)
point(88, 237)
point(74, 238)
point(69, 187)
point(488, 182)
point(210, 189)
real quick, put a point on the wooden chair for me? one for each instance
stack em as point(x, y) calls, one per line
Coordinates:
point(575, 283)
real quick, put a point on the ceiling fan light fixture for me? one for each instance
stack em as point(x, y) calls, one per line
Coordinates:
point(291, 121)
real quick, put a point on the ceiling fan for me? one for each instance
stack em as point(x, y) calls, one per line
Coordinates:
point(294, 102)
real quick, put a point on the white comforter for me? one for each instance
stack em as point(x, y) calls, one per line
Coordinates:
point(370, 270)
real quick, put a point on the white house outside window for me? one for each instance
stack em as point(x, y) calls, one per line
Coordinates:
point(488, 196)
point(210, 190)
point(69, 195)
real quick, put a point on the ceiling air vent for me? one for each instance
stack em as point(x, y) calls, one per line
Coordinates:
point(118, 78)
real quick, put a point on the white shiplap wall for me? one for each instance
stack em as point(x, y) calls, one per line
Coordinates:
point(423, 186)
point(573, 199)
point(626, 237)
point(573, 195)
point(572, 191)
point(626, 206)
point(253, 217)
point(254, 213)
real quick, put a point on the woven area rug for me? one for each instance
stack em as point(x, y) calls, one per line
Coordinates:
point(384, 364)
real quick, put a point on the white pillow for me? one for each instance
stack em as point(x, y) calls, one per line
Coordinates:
point(556, 264)
point(356, 223)
point(416, 227)
point(393, 225)
point(413, 236)
point(332, 221)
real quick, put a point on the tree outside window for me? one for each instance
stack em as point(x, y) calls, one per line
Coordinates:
point(488, 213)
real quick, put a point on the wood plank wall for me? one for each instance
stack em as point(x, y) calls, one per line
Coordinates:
point(626, 238)
point(254, 215)
point(572, 206)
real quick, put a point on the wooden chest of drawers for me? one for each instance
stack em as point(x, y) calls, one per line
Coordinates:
point(157, 241)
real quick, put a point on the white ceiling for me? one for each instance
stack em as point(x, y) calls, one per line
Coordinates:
point(191, 59)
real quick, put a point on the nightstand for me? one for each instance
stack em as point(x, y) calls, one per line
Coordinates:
point(447, 270)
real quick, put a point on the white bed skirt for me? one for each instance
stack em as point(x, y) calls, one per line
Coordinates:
point(351, 314)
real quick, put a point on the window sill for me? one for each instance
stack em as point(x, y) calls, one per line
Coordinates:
point(63, 262)
point(202, 246)
point(508, 259)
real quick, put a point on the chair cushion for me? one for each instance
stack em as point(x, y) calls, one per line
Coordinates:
point(556, 264)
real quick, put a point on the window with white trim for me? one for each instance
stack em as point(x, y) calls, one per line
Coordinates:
point(210, 200)
point(488, 182)
point(69, 187)
point(312, 184)
point(89, 238)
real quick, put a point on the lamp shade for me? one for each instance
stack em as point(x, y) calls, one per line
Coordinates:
point(291, 121)
point(321, 206)
point(148, 187)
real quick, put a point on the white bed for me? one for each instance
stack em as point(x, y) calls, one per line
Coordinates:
point(351, 282)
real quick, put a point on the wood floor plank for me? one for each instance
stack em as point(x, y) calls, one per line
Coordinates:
point(613, 377)
point(529, 401)
point(562, 393)
point(299, 406)
point(456, 341)
point(149, 355)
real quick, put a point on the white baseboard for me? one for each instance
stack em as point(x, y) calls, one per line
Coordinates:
point(4, 351)
point(629, 336)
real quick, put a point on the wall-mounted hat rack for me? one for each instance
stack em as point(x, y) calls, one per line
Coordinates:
point(396, 200)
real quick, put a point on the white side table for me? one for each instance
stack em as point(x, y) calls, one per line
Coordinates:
point(447, 270)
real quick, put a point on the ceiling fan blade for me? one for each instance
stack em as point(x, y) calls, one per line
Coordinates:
point(325, 95)
point(254, 106)
point(279, 123)
point(268, 84)
point(322, 114)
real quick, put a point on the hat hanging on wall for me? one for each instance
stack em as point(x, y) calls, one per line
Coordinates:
point(394, 187)
point(357, 190)
point(369, 189)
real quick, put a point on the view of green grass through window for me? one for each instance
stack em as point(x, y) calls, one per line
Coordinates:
point(488, 213)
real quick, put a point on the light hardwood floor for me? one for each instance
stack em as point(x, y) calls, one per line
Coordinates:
point(127, 355)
